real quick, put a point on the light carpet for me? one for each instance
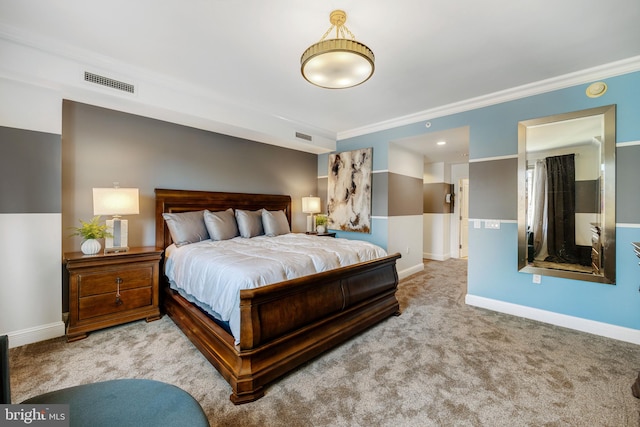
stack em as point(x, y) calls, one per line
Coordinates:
point(440, 363)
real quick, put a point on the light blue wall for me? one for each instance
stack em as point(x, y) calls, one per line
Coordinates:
point(492, 269)
point(495, 134)
point(379, 233)
point(614, 304)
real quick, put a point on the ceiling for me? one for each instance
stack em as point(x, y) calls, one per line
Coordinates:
point(447, 146)
point(429, 53)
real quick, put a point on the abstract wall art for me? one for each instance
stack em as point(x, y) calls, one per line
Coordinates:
point(349, 190)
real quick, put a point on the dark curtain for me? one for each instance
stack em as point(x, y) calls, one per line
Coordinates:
point(561, 187)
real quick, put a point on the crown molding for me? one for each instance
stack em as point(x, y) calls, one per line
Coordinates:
point(561, 82)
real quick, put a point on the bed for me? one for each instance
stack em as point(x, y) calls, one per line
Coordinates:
point(282, 325)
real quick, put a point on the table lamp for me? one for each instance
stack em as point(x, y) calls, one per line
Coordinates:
point(311, 205)
point(116, 201)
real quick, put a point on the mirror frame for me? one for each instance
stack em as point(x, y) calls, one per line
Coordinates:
point(608, 188)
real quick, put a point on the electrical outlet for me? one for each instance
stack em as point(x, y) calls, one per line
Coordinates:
point(537, 279)
point(477, 223)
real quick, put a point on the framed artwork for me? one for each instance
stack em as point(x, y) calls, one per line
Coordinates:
point(349, 190)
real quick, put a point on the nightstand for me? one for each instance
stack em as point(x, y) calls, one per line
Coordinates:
point(323, 234)
point(111, 289)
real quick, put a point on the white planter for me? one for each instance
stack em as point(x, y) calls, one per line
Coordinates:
point(90, 247)
point(321, 229)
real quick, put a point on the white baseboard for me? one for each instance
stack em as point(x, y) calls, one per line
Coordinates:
point(411, 270)
point(435, 257)
point(38, 333)
point(620, 333)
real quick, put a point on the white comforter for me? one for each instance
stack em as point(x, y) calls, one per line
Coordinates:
point(212, 273)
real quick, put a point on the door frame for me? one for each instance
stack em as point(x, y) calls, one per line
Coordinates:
point(463, 233)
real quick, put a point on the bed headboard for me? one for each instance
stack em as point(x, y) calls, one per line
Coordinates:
point(186, 200)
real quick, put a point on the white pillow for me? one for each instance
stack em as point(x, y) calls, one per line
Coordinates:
point(221, 225)
point(275, 223)
point(186, 227)
point(249, 223)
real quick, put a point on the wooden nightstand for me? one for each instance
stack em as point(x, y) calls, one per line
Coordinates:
point(111, 289)
point(327, 234)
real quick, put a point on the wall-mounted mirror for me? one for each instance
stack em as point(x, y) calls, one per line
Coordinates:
point(566, 195)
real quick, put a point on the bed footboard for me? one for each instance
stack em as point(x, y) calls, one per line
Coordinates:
point(273, 311)
point(289, 323)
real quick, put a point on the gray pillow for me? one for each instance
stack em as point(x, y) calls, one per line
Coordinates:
point(186, 227)
point(249, 223)
point(221, 225)
point(275, 223)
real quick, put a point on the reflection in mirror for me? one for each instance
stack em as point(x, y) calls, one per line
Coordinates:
point(566, 195)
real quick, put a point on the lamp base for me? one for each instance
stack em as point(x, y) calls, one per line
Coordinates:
point(118, 228)
point(310, 224)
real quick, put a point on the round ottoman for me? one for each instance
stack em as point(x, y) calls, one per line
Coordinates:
point(127, 402)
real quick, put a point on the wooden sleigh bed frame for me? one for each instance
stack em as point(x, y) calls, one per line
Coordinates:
point(285, 324)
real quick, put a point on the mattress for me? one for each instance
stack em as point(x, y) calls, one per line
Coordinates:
point(211, 274)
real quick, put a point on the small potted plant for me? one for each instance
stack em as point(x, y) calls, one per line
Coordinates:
point(321, 223)
point(91, 231)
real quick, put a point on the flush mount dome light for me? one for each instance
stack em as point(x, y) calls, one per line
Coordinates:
point(596, 89)
point(337, 63)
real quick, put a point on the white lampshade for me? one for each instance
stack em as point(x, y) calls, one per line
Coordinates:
point(115, 201)
point(311, 205)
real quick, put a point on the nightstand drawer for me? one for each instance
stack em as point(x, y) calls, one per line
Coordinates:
point(100, 305)
point(107, 281)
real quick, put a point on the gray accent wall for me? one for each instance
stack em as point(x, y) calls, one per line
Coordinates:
point(322, 185)
point(102, 146)
point(30, 170)
point(380, 194)
point(434, 198)
point(627, 194)
point(493, 189)
point(403, 194)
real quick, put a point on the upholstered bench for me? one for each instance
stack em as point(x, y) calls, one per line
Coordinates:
point(127, 402)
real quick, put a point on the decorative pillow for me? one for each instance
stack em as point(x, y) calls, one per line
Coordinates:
point(275, 223)
point(186, 227)
point(249, 222)
point(221, 225)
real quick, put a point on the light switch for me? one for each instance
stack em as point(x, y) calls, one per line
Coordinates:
point(476, 223)
point(492, 224)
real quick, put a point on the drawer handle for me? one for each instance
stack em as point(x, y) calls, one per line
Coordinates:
point(118, 282)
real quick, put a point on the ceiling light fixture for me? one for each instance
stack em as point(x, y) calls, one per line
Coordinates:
point(337, 63)
point(596, 89)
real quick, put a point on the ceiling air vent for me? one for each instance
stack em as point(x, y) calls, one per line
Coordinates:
point(108, 82)
point(304, 136)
